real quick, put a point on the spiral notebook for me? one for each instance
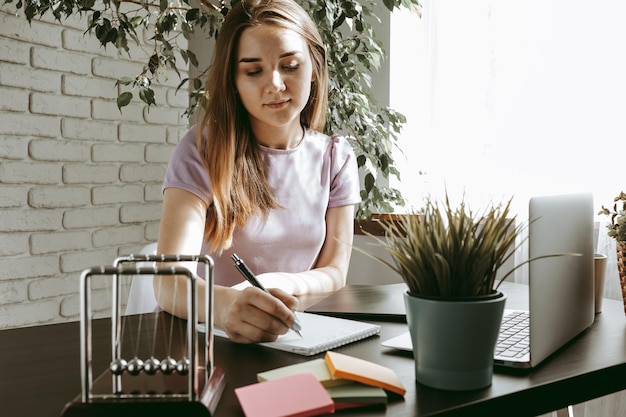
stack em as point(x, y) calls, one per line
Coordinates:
point(319, 334)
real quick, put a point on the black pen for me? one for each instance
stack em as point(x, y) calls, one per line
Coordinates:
point(251, 278)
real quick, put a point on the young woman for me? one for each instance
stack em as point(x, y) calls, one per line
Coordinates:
point(257, 178)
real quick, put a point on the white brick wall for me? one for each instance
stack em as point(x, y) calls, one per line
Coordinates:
point(80, 183)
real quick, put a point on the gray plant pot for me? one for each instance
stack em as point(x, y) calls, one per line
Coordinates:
point(454, 341)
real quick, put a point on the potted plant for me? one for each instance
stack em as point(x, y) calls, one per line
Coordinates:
point(354, 54)
point(617, 230)
point(449, 258)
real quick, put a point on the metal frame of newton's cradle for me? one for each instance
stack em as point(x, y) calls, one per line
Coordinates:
point(201, 399)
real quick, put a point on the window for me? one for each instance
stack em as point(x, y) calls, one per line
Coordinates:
point(511, 98)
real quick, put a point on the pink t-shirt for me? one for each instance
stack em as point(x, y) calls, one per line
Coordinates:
point(321, 172)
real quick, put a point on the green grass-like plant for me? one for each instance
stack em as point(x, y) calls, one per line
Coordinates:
point(449, 252)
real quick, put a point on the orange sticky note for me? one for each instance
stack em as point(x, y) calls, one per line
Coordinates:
point(298, 395)
point(366, 372)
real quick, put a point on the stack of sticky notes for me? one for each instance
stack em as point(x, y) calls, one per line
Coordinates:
point(295, 395)
point(347, 381)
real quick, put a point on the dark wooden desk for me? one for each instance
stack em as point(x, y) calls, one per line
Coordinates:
point(39, 372)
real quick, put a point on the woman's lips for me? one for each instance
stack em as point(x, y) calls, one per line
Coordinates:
point(277, 104)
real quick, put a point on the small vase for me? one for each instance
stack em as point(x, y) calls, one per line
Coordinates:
point(621, 268)
point(454, 341)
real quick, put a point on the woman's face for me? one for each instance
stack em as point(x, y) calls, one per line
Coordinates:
point(273, 76)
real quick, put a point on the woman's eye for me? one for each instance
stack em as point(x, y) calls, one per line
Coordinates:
point(291, 67)
point(253, 72)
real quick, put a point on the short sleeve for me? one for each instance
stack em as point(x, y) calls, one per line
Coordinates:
point(186, 169)
point(344, 187)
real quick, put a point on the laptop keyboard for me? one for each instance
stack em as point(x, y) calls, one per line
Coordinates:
point(513, 340)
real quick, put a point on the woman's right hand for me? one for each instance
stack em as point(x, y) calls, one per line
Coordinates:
point(251, 315)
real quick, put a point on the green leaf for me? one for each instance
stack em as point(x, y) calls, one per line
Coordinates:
point(136, 21)
point(389, 4)
point(192, 58)
point(124, 81)
point(360, 160)
point(30, 11)
point(183, 82)
point(192, 14)
point(87, 4)
point(123, 99)
point(146, 94)
point(339, 21)
point(154, 63)
point(369, 182)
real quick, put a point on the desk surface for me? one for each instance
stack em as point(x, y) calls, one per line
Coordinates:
point(39, 371)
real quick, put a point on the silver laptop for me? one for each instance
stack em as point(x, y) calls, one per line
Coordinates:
point(560, 290)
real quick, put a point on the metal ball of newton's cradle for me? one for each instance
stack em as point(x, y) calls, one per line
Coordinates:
point(182, 366)
point(135, 366)
point(168, 365)
point(118, 366)
point(151, 365)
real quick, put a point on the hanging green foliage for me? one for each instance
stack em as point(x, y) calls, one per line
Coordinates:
point(354, 54)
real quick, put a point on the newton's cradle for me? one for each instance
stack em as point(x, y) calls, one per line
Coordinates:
point(177, 381)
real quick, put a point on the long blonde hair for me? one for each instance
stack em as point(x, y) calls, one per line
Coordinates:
point(225, 139)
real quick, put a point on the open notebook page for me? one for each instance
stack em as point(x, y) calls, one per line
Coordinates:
point(319, 334)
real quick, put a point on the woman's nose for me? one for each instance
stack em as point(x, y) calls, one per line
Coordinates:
point(276, 82)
